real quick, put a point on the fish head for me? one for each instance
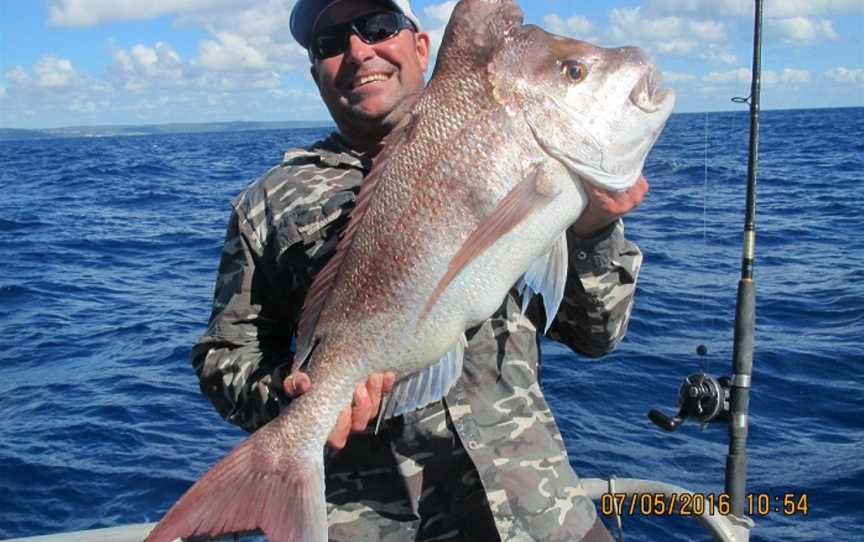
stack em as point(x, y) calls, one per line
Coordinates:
point(596, 110)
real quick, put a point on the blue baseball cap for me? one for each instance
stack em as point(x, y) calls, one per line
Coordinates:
point(306, 12)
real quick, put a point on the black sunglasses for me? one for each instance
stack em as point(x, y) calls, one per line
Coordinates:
point(371, 28)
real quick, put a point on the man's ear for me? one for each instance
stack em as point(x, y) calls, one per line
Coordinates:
point(421, 46)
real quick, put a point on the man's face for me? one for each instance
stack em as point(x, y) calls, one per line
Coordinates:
point(365, 87)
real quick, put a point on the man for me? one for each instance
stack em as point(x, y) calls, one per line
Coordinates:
point(487, 462)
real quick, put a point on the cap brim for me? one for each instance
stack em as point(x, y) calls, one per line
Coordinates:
point(306, 13)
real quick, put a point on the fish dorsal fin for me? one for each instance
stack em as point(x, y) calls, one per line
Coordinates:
point(317, 295)
point(473, 33)
point(426, 386)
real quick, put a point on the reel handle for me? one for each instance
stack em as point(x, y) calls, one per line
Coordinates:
point(701, 397)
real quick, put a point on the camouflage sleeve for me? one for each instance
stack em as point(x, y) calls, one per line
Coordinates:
point(245, 353)
point(598, 296)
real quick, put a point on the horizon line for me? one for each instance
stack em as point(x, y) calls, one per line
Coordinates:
point(329, 122)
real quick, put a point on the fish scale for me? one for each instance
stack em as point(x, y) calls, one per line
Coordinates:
point(472, 191)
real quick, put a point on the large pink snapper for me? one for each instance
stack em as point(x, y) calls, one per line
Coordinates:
point(473, 192)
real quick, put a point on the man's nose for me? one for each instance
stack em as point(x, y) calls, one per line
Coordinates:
point(358, 50)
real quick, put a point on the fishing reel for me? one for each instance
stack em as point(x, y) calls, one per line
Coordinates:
point(700, 397)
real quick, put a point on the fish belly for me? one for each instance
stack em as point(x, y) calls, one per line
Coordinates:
point(478, 291)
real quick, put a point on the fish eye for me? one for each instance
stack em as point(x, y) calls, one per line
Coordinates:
point(575, 72)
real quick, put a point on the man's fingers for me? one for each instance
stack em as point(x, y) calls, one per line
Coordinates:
point(361, 410)
point(388, 382)
point(373, 386)
point(605, 207)
point(364, 405)
point(643, 185)
point(296, 383)
point(339, 435)
point(635, 195)
point(644, 188)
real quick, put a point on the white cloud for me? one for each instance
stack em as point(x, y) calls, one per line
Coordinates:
point(802, 29)
point(675, 47)
point(248, 49)
point(731, 76)
point(633, 23)
point(143, 67)
point(846, 75)
point(788, 76)
point(577, 26)
point(791, 8)
point(701, 38)
point(52, 74)
point(630, 24)
point(231, 52)
point(160, 67)
point(773, 8)
point(250, 35)
point(52, 71)
point(245, 35)
point(78, 105)
point(675, 77)
point(716, 54)
point(704, 7)
point(708, 30)
point(94, 12)
point(51, 88)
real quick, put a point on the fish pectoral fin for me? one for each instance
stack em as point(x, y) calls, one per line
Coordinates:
point(547, 276)
point(284, 500)
point(537, 190)
point(426, 386)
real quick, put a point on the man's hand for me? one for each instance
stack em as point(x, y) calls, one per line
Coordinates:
point(355, 417)
point(605, 207)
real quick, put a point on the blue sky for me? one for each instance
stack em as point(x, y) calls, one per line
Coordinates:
point(84, 62)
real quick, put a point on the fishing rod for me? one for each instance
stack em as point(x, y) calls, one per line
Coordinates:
point(727, 399)
point(745, 311)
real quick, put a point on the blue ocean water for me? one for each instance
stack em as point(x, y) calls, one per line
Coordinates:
point(109, 249)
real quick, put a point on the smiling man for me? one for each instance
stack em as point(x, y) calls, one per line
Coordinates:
point(366, 86)
point(487, 462)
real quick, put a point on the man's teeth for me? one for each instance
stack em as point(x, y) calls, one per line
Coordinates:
point(370, 78)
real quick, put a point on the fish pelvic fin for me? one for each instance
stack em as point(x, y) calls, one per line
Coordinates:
point(532, 194)
point(243, 494)
point(546, 276)
point(427, 386)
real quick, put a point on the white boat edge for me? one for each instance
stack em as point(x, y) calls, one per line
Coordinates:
point(124, 533)
point(721, 528)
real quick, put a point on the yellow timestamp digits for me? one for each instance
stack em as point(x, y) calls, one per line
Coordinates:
point(697, 504)
point(661, 504)
point(788, 504)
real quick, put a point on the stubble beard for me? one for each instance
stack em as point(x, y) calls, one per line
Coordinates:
point(365, 128)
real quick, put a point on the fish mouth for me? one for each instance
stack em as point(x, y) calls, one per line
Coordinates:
point(648, 94)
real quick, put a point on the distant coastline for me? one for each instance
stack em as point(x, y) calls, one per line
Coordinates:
point(14, 134)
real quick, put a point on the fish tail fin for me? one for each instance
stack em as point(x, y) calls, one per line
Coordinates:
point(253, 490)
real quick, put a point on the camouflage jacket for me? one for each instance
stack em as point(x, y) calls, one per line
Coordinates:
point(493, 437)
